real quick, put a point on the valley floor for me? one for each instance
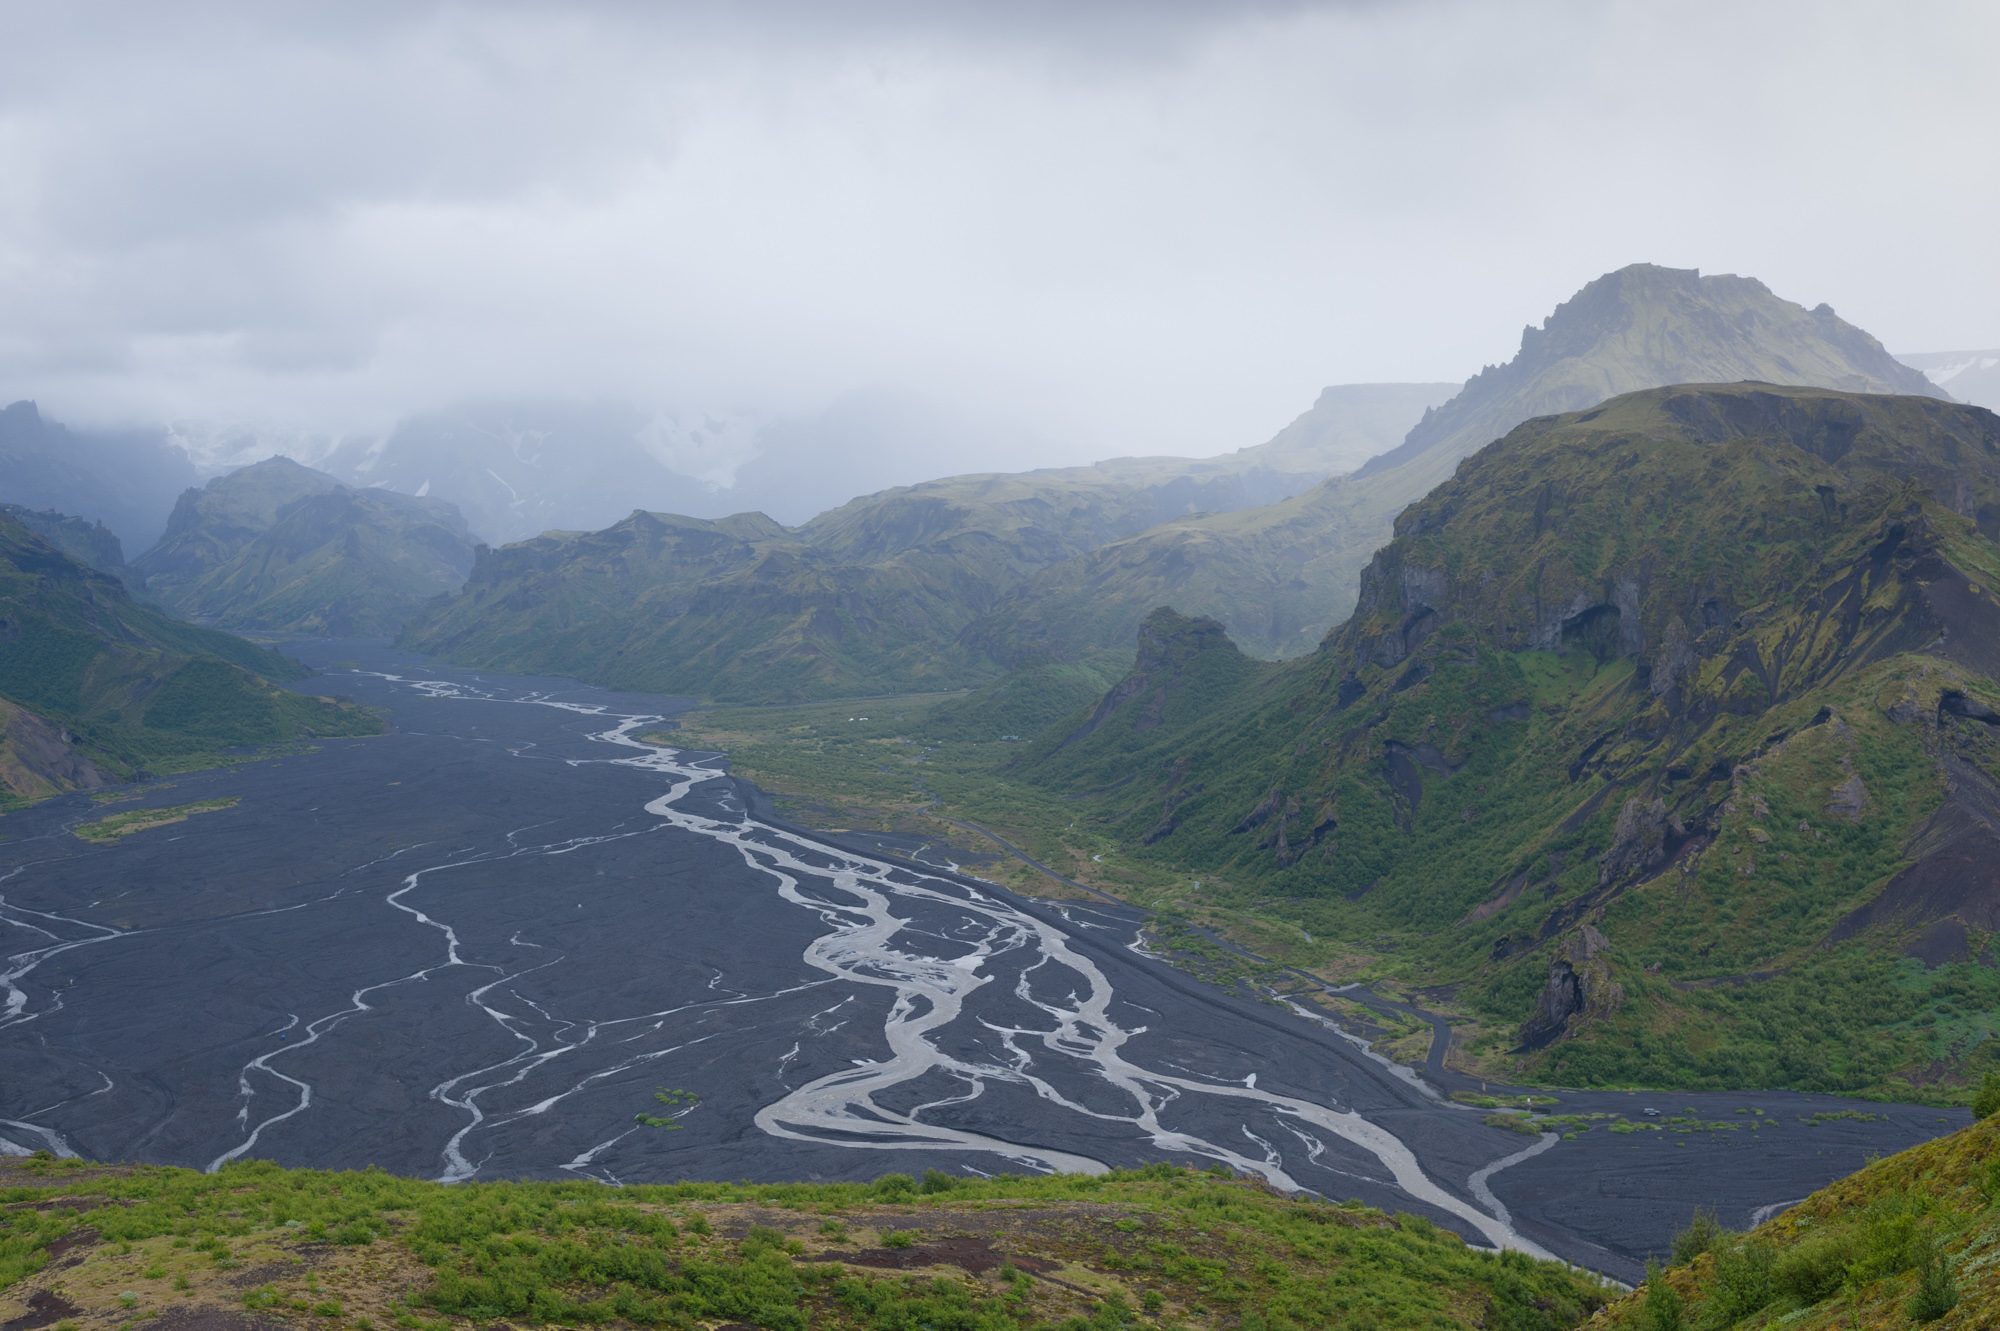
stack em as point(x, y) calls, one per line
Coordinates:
point(515, 939)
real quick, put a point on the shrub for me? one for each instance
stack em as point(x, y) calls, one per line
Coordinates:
point(1817, 1266)
point(1702, 1235)
point(1743, 1280)
point(1986, 1100)
point(1663, 1310)
point(1937, 1289)
point(895, 1185)
point(1894, 1235)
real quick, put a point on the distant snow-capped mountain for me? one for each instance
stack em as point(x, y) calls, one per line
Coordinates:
point(1969, 376)
point(219, 446)
point(517, 469)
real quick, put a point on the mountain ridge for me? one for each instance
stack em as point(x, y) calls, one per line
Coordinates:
point(1282, 576)
point(875, 594)
point(97, 688)
point(1584, 689)
point(280, 546)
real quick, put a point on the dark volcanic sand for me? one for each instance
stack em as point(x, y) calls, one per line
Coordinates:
point(266, 981)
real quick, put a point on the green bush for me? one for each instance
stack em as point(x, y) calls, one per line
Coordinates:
point(1744, 1282)
point(1663, 1310)
point(1894, 1235)
point(1937, 1289)
point(1986, 1101)
point(1702, 1235)
point(893, 1186)
point(1817, 1266)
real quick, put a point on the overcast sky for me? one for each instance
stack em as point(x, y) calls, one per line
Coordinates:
point(1127, 225)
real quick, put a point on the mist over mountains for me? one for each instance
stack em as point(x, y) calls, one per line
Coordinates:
point(999, 665)
point(1969, 376)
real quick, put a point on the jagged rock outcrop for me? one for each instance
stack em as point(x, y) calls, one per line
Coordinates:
point(89, 543)
point(1175, 653)
point(39, 757)
point(1643, 840)
point(1578, 985)
point(1709, 669)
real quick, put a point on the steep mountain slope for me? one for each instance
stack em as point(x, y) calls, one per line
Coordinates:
point(126, 480)
point(1969, 376)
point(91, 544)
point(734, 608)
point(95, 687)
point(1667, 732)
point(1346, 426)
point(280, 546)
point(1909, 1241)
point(870, 597)
point(867, 598)
point(1279, 577)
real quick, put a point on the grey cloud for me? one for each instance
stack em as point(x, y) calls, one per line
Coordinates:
point(1124, 226)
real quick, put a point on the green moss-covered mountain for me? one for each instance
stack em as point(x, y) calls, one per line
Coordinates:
point(254, 1245)
point(126, 479)
point(1910, 1241)
point(282, 547)
point(96, 688)
point(91, 544)
point(1280, 576)
point(1665, 743)
point(874, 596)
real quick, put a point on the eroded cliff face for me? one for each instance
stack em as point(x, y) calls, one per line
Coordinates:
point(39, 758)
point(1173, 650)
point(1720, 656)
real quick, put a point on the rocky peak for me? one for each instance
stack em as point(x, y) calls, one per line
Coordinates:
point(1176, 654)
point(1645, 326)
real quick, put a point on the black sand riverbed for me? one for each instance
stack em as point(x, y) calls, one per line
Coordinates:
point(268, 980)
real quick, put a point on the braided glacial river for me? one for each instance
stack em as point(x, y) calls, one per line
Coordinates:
point(493, 942)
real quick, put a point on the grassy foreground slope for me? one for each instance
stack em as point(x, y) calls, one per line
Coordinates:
point(95, 687)
point(101, 1246)
point(1912, 1240)
point(1666, 736)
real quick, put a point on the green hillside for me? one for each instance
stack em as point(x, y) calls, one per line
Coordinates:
point(91, 544)
point(1664, 746)
point(96, 688)
point(282, 547)
point(874, 596)
point(1913, 1240)
point(102, 1246)
point(1280, 576)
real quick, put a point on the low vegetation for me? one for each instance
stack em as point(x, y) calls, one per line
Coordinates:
point(96, 1246)
point(279, 546)
point(96, 688)
point(121, 825)
point(1913, 1240)
point(1647, 757)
